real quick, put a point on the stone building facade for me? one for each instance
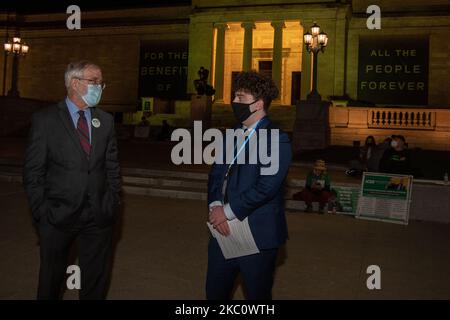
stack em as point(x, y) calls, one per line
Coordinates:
point(227, 36)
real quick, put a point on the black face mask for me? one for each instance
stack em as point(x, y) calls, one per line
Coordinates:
point(242, 110)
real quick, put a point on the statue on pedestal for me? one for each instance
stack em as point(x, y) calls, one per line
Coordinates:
point(202, 102)
point(201, 84)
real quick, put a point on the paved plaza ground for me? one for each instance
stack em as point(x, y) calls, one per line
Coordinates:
point(161, 253)
point(161, 244)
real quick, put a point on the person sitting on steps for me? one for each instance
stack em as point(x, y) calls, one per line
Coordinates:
point(317, 188)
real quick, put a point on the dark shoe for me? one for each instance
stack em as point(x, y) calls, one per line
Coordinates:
point(354, 173)
point(308, 209)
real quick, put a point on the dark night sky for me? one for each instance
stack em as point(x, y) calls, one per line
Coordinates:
point(28, 6)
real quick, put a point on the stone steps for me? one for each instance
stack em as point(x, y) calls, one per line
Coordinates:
point(163, 183)
point(428, 198)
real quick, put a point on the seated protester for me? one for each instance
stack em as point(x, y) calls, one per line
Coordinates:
point(373, 165)
point(317, 188)
point(397, 158)
point(366, 153)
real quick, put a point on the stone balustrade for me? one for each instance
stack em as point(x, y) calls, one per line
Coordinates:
point(425, 128)
point(410, 119)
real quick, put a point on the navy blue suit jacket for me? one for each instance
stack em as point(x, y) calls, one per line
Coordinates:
point(256, 196)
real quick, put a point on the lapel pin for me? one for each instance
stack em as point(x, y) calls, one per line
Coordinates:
point(96, 123)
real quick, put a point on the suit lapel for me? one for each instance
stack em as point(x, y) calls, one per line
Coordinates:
point(68, 124)
point(265, 122)
point(236, 167)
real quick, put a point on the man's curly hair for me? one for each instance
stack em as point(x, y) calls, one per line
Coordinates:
point(257, 85)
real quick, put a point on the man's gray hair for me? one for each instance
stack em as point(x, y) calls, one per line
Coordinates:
point(76, 69)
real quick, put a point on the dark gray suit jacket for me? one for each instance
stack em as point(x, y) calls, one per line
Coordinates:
point(58, 177)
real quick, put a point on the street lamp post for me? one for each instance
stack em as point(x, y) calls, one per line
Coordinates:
point(315, 41)
point(16, 48)
point(311, 127)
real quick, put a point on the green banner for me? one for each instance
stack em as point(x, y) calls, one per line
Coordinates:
point(388, 187)
point(385, 197)
point(346, 199)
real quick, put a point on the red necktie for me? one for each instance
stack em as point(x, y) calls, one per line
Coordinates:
point(83, 133)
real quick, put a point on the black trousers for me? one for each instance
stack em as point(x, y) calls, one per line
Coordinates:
point(94, 251)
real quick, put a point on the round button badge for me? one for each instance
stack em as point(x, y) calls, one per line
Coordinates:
point(95, 122)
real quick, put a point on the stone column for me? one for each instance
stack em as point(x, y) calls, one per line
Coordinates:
point(248, 45)
point(340, 53)
point(220, 60)
point(277, 62)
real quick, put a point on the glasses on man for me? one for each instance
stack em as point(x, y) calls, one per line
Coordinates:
point(93, 81)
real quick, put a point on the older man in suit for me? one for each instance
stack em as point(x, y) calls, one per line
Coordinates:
point(240, 191)
point(72, 180)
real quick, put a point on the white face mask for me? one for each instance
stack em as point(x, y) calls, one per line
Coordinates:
point(394, 144)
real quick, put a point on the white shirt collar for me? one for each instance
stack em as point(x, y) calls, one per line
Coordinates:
point(253, 126)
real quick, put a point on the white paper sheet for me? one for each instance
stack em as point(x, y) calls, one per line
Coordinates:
point(239, 243)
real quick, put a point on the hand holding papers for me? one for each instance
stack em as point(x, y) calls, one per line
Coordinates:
point(239, 243)
point(218, 219)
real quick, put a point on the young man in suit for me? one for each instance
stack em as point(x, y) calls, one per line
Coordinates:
point(240, 191)
point(72, 180)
